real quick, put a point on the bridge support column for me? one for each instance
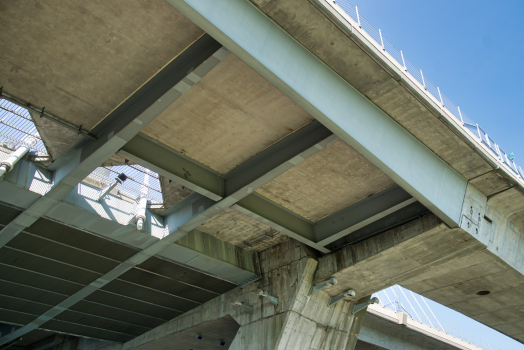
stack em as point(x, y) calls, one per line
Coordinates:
point(297, 322)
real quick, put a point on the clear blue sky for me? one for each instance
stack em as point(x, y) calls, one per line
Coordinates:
point(473, 51)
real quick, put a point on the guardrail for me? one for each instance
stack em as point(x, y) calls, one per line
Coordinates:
point(344, 7)
point(138, 179)
point(16, 125)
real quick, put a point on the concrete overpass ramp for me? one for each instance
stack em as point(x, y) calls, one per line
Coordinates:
point(288, 148)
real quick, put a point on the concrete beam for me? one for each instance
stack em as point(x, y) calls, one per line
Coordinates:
point(120, 126)
point(278, 57)
point(255, 173)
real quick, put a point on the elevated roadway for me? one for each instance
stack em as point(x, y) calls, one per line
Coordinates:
point(259, 116)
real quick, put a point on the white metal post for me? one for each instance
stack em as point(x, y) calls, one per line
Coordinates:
point(381, 40)
point(403, 61)
point(358, 17)
point(478, 131)
point(440, 95)
point(423, 81)
point(460, 114)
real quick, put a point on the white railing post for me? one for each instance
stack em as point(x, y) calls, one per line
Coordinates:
point(381, 40)
point(403, 61)
point(460, 114)
point(478, 131)
point(423, 81)
point(358, 17)
point(440, 95)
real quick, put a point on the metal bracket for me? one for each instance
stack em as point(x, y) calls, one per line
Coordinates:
point(319, 287)
point(246, 307)
point(333, 300)
point(271, 298)
point(105, 191)
point(362, 306)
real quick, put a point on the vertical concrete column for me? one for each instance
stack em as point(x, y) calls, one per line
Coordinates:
point(356, 325)
point(298, 321)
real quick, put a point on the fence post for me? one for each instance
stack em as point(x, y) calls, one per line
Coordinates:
point(403, 61)
point(440, 95)
point(478, 131)
point(460, 114)
point(358, 17)
point(381, 40)
point(423, 81)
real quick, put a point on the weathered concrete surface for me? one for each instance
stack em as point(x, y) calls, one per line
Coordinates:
point(496, 223)
point(172, 192)
point(215, 334)
point(362, 345)
point(79, 59)
point(233, 113)
point(393, 256)
point(356, 65)
point(56, 138)
point(241, 230)
point(298, 322)
point(332, 179)
point(447, 265)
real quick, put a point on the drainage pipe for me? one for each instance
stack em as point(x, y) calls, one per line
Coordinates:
point(8, 164)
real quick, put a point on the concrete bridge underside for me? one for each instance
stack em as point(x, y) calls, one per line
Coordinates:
point(289, 149)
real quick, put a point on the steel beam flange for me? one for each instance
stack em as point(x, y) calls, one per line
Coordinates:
point(272, 299)
point(362, 306)
point(333, 300)
point(246, 307)
point(319, 287)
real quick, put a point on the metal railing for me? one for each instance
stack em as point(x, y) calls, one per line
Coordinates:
point(16, 125)
point(138, 179)
point(415, 74)
point(400, 299)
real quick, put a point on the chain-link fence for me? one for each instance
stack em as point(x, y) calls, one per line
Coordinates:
point(16, 126)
